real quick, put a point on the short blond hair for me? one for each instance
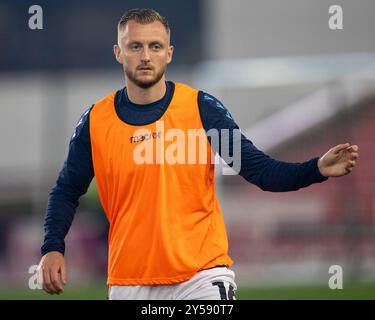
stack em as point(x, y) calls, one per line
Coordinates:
point(142, 16)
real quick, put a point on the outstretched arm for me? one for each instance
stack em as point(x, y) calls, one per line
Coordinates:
point(257, 167)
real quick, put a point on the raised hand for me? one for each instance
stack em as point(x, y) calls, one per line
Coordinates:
point(339, 160)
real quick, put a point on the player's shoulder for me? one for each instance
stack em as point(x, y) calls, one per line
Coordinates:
point(85, 117)
point(108, 98)
point(104, 105)
point(209, 103)
point(82, 123)
point(210, 100)
point(185, 90)
point(203, 97)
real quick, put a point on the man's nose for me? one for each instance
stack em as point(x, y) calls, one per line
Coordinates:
point(145, 57)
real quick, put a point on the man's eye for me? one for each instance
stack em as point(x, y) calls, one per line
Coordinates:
point(135, 46)
point(156, 47)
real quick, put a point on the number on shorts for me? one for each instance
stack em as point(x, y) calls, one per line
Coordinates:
point(223, 292)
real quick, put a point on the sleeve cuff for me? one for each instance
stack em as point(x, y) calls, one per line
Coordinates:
point(48, 247)
point(317, 175)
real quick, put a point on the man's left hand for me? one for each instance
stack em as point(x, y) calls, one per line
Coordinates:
point(339, 160)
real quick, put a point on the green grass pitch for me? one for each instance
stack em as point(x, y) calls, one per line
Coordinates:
point(98, 292)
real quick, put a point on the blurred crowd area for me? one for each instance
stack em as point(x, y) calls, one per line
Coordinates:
point(295, 87)
point(80, 34)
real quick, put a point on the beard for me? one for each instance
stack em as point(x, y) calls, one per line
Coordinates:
point(144, 84)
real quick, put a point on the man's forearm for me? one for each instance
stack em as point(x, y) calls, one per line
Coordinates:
point(58, 219)
point(277, 176)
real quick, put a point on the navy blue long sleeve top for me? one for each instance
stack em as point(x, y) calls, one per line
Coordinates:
point(77, 172)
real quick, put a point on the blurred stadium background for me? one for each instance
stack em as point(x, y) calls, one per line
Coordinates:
point(293, 85)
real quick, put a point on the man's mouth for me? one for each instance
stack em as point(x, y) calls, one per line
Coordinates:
point(145, 68)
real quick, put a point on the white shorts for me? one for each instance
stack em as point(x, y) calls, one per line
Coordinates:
point(210, 284)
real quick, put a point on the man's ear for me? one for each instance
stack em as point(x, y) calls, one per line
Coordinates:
point(117, 52)
point(170, 54)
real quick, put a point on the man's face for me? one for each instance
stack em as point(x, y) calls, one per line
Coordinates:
point(144, 51)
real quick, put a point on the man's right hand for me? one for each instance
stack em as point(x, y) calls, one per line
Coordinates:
point(52, 269)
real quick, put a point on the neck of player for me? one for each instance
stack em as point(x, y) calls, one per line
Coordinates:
point(139, 95)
